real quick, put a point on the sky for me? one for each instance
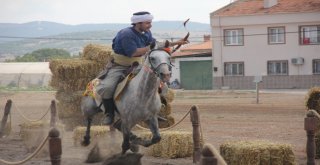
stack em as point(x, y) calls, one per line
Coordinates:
point(106, 11)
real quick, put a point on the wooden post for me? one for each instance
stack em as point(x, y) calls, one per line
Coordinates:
point(53, 119)
point(257, 92)
point(5, 117)
point(310, 125)
point(194, 115)
point(208, 156)
point(55, 147)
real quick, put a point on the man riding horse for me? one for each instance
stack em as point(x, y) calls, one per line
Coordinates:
point(129, 46)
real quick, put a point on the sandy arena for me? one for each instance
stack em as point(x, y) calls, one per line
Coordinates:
point(225, 115)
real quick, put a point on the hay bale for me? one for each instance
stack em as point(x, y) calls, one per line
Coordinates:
point(33, 133)
point(173, 144)
point(165, 124)
point(99, 53)
point(170, 95)
point(312, 100)
point(96, 132)
point(69, 97)
point(256, 153)
point(69, 104)
point(73, 75)
point(162, 124)
point(165, 110)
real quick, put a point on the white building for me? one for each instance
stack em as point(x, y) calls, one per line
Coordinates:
point(278, 40)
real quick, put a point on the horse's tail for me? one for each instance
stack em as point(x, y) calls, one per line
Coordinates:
point(86, 138)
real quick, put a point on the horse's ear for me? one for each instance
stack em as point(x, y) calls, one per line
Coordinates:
point(152, 45)
point(167, 44)
point(167, 47)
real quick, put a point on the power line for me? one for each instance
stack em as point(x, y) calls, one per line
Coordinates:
point(54, 38)
point(168, 38)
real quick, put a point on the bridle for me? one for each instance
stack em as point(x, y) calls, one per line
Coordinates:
point(155, 68)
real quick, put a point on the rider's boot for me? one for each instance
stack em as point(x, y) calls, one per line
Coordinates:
point(109, 107)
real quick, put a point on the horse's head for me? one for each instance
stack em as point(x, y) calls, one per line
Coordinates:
point(159, 62)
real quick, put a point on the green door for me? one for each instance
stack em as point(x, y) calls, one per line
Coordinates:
point(196, 75)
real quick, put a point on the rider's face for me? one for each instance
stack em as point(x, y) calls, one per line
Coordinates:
point(144, 26)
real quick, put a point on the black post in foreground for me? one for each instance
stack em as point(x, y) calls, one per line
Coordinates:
point(55, 147)
point(5, 117)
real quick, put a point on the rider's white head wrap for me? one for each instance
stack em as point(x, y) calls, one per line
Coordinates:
point(141, 17)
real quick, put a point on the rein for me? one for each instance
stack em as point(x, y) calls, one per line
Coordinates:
point(153, 68)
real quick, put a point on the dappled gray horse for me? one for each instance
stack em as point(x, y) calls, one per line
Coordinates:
point(139, 101)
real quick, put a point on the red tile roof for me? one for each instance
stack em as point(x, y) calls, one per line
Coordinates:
point(254, 7)
point(196, 49)
point(202, 46)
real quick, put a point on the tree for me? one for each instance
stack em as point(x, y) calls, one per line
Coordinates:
point(42, 55)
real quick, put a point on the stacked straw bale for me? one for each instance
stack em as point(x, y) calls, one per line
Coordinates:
point(165, 111)
point(97, 53)
point(257, 153)
point(96, 132)
point(173, 144)
point(74, 74)
point(70, 78)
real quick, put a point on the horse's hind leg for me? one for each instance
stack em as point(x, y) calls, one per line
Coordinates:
point(86, 138)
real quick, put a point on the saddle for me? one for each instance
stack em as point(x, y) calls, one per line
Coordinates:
point(130, 74)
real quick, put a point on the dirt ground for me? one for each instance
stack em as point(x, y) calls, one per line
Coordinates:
point(225, 115)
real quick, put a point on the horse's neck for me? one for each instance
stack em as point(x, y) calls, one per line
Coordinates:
point(146, 83)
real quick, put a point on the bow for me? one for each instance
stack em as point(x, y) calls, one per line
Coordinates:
point(185, 37)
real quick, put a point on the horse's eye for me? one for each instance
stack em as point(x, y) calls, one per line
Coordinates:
point(152, 59)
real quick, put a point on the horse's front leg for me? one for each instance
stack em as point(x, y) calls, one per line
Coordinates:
point(132, 137)
point(126, 139)
point(154, 128)
point(153, 125)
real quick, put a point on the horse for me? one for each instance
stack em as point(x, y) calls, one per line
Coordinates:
point(139, 101)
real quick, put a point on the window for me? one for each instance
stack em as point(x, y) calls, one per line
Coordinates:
point(276, 35)
point(234, 69)
point(316, 66)
point(309, 34)
point(233, 37)
point(277, 67)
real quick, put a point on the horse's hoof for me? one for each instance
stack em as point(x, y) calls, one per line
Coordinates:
point(85, 143)
point(155, 139)
point(134, 148)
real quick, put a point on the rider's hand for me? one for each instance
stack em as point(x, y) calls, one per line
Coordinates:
point(182, 42)
point(179, 42)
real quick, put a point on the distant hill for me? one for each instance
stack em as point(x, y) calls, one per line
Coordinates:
point(18, 39)
point(43, 28)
